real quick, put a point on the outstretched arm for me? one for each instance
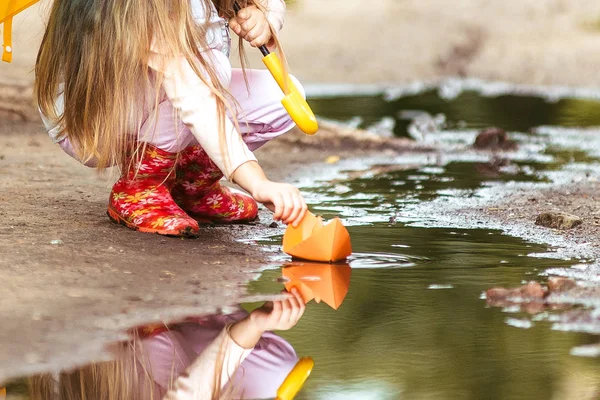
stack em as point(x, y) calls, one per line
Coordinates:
point(232, 346)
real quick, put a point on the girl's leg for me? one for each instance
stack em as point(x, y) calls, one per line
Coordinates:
point(262, 116)
point(198, 190)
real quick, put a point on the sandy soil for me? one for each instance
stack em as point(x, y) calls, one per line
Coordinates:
point(552, 42)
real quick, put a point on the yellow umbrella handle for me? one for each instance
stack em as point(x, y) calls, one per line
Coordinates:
point(7, 54)
point(295, 379)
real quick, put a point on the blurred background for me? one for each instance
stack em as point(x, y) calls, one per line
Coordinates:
point(551, 42)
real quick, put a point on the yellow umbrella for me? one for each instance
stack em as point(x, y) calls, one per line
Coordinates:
point(8, 9)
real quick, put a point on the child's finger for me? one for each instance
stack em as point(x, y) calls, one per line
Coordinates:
point(257, 30)
point(247, 26)
point(296, 293)
point(301, 303)
point(297, 208)
point(286, 311)
point(278, 202)
point(296, 304)
point(288, 207)
point(245, 13)
point(235, 26)
point(253, 34)
point(263, 39)
point(276, 311)
point(301, 214)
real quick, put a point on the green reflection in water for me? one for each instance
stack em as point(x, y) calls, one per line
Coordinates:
point(394, 337)
point(510, 112)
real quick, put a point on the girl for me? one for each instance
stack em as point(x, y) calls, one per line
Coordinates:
point(217, 357)
point(147, 86)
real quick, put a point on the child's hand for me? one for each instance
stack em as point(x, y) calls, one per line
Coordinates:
point(251, 24)
point(279, 315)
point(283, 199)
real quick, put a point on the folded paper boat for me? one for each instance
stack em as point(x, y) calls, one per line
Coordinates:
point(320, 282)
point(313, 241)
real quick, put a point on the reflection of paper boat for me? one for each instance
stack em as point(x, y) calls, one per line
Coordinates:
point(312, 240)
point(322, 282)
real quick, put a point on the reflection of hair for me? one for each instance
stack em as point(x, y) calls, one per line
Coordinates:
point(100, 51)
point(123, 378)
point(127, 377)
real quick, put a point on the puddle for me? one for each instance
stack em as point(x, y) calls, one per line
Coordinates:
point(414, 324)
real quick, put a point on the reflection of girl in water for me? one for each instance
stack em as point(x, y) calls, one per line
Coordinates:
point(217, 357)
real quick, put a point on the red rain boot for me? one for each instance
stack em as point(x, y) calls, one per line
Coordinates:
point(143, 201)
point(198, 191)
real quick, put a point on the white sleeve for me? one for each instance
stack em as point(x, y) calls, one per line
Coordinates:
point(197, 108)
point(275, 13)
point(197, 382)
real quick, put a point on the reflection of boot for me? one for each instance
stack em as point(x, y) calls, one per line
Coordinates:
point(198, 191)
point(143, 201)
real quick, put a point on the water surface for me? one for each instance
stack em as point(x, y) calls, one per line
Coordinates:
point(414, 324)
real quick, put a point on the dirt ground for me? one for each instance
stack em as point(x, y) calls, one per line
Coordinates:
point(550, 42)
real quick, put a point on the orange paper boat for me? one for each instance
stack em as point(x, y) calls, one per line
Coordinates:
point(322, 282)
point(313, 241)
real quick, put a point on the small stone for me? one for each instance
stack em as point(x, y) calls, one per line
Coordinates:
point(559, 284)
point(494, 139)
point(532, 290)
point(497, 294)
point(56, 242)
point(341, 189)
point(558, 220)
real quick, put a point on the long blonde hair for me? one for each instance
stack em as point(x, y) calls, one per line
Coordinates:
point(97, 53)
point(127, 377)
point(123, 378)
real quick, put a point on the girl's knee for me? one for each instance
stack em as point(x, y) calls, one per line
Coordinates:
point(68, 148)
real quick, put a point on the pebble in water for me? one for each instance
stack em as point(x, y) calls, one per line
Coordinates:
point(519, 323)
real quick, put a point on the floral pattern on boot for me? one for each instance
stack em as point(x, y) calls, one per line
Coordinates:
point(143, 201)
point(198, 191)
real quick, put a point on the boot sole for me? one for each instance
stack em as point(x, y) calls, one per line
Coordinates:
point(208, 221)
point(117, 219)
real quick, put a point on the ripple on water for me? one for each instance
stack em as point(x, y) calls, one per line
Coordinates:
point(384, 260)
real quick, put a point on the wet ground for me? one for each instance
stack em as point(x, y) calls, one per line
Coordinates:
point(414, 323)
